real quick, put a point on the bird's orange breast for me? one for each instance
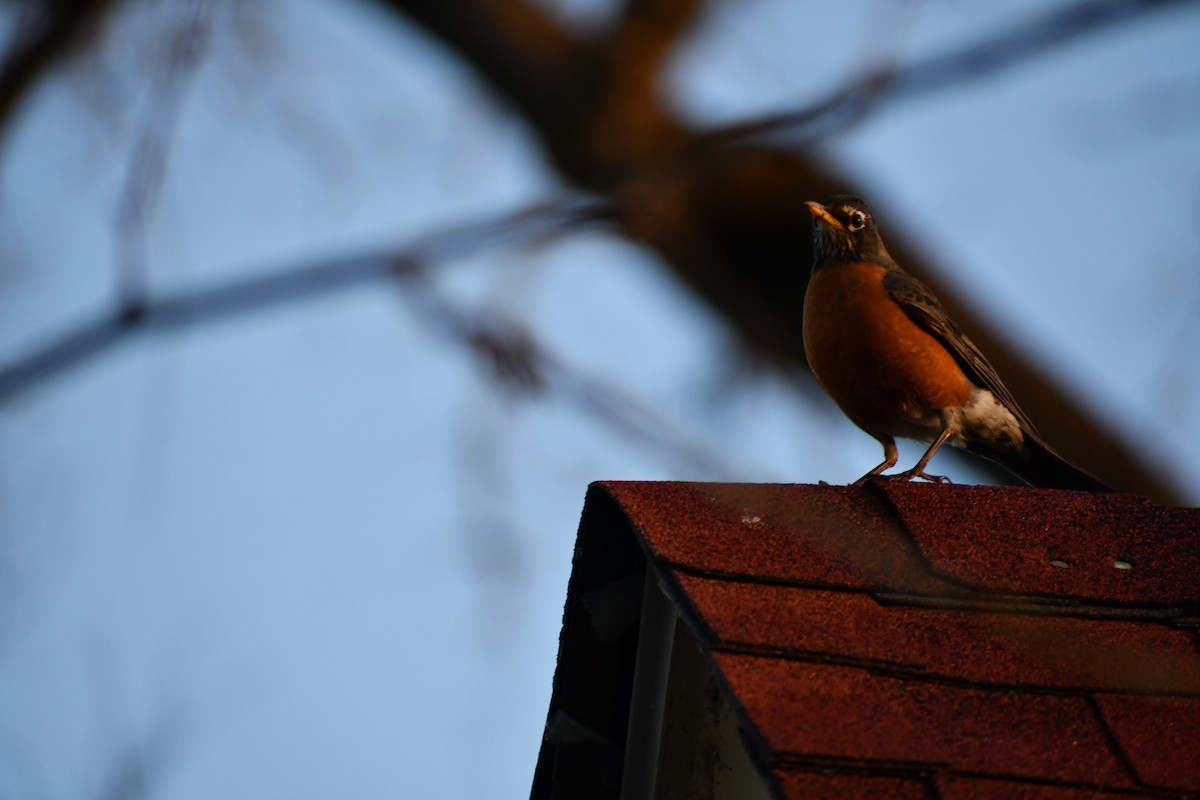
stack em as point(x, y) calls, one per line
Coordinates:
point(886, 373)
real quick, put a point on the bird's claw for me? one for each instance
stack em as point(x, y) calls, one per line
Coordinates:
point(915, 474)
point(901, 477)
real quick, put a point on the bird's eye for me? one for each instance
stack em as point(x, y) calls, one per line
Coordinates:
point(857, 221)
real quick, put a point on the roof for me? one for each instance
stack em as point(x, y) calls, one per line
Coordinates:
point(900, 639)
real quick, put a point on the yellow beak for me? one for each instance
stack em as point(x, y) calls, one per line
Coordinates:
point(821, 213)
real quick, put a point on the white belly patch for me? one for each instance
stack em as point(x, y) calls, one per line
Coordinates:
point(983, 417)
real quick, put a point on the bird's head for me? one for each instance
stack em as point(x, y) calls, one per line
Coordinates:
point(845, 231)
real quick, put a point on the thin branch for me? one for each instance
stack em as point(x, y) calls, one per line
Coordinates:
point(875, 90)
point(280, 288)
point(509, 352)
point(148, 162)
point(515, 358)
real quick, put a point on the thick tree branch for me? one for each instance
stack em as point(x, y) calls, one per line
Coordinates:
point(723, 208)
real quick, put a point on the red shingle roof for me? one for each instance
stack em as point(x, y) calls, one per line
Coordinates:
point(910, 640)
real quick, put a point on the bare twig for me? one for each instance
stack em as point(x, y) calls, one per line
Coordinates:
point(148, 160)
point(516, 358)
point(875, 90)
point(272, 289)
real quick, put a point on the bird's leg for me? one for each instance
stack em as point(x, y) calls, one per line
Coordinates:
point(918, 471)
point(890, 457)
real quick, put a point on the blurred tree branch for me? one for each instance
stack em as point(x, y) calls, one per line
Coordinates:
point(148, 161)
point(1003, 50)
point(720, 207)
point(164, 314)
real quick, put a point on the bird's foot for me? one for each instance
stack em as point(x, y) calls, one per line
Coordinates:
point(918, 474)
point(901, 477)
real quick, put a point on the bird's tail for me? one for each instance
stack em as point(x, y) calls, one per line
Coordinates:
point(1041, 465)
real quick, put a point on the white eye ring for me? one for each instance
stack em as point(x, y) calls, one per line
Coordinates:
point(857, 221)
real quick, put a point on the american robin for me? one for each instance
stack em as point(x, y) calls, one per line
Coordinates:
point(885, 350)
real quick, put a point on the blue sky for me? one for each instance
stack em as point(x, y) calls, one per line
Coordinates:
point(312, 551)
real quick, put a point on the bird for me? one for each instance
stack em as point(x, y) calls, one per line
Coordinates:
point(885, 350)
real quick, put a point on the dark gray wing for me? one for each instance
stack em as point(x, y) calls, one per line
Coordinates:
point(1038, 464)
point(924, 309)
